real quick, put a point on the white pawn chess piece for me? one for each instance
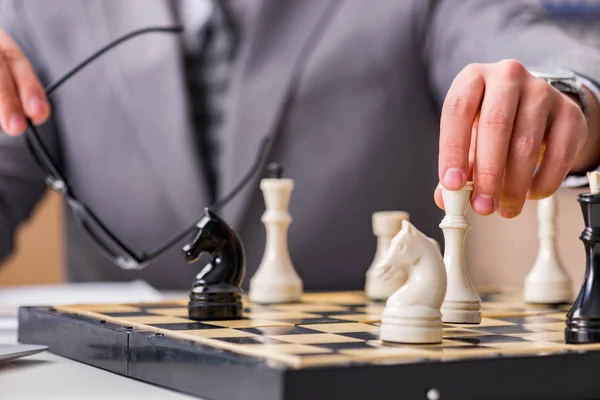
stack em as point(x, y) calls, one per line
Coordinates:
point(594, 180)
point(412, 314)
point(276, 280)
point(386, 225)
point(547, 282)
point(462, 304)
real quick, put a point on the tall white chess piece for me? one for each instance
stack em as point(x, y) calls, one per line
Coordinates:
point(594, 180)
point(412, 314)
point(547, 282)
point(386, 225)
point(276, 280)
point(462, 304)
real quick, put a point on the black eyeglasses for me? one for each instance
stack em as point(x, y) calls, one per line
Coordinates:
point(106, 241)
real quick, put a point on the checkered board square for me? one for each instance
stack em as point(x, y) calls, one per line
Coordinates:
point(338, 328)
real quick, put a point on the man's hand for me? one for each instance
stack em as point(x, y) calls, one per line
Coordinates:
point(21, 94)
point(495, 121)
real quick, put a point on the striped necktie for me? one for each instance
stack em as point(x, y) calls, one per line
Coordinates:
point(208, 69)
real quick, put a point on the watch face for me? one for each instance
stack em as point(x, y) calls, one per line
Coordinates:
point(558, 74)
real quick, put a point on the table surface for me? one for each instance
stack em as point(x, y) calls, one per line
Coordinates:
point(47, 376)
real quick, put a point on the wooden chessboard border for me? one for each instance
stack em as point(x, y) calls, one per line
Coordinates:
point(198, 368)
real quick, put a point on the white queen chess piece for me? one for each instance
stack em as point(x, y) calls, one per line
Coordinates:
point(276, 280)
point(412, 314)
point(462, 304)
point(386, 225)
point(547, 282)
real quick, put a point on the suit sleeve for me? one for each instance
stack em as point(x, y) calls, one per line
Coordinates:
point(21, 182)
point(461, 32)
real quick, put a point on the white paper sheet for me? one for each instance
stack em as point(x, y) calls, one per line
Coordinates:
point(11, 298)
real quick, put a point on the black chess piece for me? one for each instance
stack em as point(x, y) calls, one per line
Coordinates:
point(216, 292)
point(583, 320)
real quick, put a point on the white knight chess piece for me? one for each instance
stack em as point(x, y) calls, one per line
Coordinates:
point(412, 314)
point(386, 225)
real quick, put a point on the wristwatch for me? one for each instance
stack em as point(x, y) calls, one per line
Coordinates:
point(566, 82)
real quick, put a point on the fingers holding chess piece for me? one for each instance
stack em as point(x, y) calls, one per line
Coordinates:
point(386, 225)
point(412, 314)
point(276, 280)
point(216, 291)
point(548, 282)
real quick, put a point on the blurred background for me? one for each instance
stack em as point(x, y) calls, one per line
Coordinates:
point(38, 255)
point(499, 251)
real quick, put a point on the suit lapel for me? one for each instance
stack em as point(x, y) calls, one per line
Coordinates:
point(281, 39)
point(147, 75)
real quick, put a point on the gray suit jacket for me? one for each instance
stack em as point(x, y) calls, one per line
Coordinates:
point(350, 88)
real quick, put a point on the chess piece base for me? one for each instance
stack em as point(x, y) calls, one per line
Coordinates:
point(416, 325)
point(274, 293)
point(461, 312)
point(547, 292)
point(223, 302)
point(582, 331)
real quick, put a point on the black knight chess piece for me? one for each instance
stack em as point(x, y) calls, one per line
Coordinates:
point(216, 292)
point(583, 320)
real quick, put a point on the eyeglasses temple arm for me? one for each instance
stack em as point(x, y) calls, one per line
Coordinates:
point(217, 205)
point(88, 214)
point(261, 153)
point(171, 242)
point(176, 238)
point(34, 140)
point(55, 85)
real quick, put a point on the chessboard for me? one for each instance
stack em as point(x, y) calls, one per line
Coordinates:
point(326, 346)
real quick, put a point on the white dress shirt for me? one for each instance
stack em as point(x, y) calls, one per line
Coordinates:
point(580, 181)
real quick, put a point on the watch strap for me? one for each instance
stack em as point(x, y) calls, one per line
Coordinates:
point(570, 84)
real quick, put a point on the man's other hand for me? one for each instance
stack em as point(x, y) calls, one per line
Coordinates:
point(496, 121)
point(21, 93)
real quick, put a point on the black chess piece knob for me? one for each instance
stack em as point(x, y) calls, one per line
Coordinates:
point(275, 170)
point(583, 320)
point(216, 292)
